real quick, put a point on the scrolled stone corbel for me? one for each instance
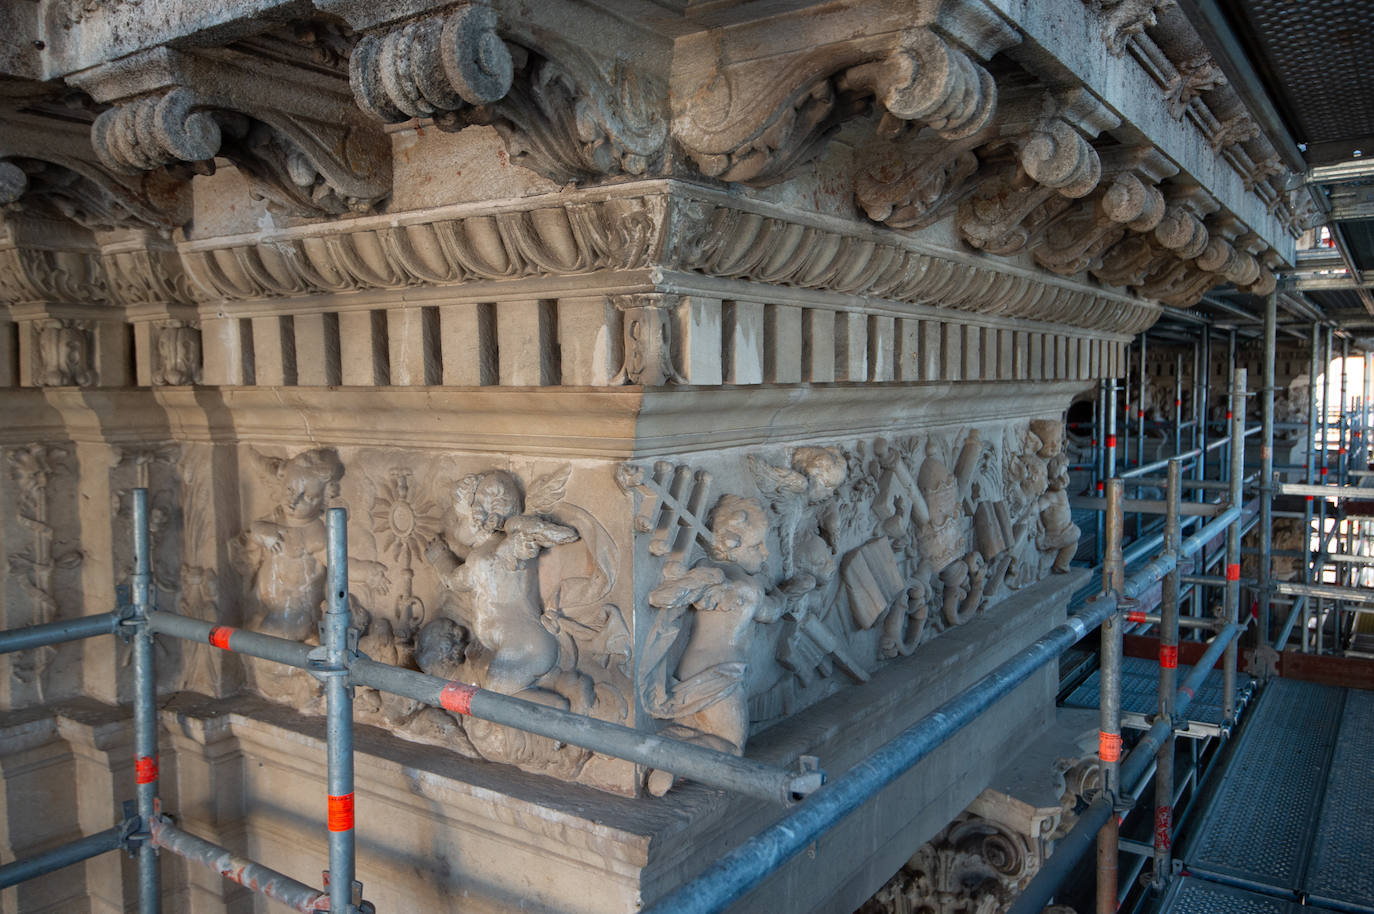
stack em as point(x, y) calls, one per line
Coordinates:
point(432, 66)
point(1077, 239)
point(929, 81)
point(758, 120)
point(1055, 164)
point(153, 131)
point(284, 119)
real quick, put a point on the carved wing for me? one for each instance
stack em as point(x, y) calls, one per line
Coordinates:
point(774, 480)
point(547, 491)
point(676, 593)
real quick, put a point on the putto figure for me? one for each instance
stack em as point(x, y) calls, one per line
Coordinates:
point(492, 570)
point(290, 567)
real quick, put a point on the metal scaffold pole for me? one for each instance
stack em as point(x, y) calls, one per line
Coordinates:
point(1236, 477)
point(1168, 685)
point(337, 634)
point(145, 708)
point(1266, 480)
point(1109, 723)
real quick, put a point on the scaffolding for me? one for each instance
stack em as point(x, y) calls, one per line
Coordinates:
point(1179, 575)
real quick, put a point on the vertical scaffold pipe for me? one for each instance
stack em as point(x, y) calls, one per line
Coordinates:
point(1202, 376)
point(1111, 428)
point(145, 707)
point(1178, 404)
point(1266, 493)
point(339, 711)
point(1109, 726)
point(1168, 682)
point(1236, 477)
point(1309, 513)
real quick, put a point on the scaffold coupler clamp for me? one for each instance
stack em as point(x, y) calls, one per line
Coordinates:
point(124, 607)
point(133, 831)
point(318, 658)
point(807, 780)
point(356, 905)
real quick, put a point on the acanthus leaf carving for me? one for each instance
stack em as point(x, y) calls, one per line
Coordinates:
point(1124, 19)
point(178, 347)
point(64, 349)
point(1194, 77)
point(1078, 238)
point(572, 118)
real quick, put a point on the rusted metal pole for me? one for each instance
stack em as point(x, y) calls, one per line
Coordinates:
point(253, 876)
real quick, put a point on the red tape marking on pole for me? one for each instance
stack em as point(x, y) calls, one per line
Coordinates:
point(1168, 656)
point(1100, 486)
point(1111, 441)
point(341, 812)
point(457, 697)
point(1229, 415)
point(1140, 414)
point(145, 769)
point(1135, 615)
point(219, 636)
point(1233, 572)
point(1109, 746)
point(1164, 817)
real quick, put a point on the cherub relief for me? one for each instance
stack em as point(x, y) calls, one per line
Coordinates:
point(1058, 534)
point(706, 694)
point(285, 552)
point(941, 534)
point(492, 570)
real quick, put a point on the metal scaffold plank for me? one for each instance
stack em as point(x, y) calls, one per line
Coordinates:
point(1195, 896)
point(1140, 691)
point(1340, 874)
point(1259, 825)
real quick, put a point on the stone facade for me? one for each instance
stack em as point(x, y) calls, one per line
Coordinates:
point(697, 367)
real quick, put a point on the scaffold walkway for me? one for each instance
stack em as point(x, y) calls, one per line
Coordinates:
point(1140, 696)
point(1287, 825)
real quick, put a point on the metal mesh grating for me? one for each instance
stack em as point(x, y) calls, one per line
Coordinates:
point(1193, 896)
point(1259, 825)
point(1340, 870)
point(1140, 690)
point(1318, 54)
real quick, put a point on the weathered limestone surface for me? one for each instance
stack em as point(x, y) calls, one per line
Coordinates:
point(698, 367)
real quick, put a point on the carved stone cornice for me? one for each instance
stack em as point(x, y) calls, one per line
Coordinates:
point(655, 227)
point(284, 118)
point(755, 117)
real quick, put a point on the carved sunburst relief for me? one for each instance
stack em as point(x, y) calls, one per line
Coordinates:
point(403, 523)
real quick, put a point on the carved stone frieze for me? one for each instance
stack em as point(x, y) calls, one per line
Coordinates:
point(827, 564)
point(267, 104)
point(713, 236)
point(36, 269)
point(563, 238)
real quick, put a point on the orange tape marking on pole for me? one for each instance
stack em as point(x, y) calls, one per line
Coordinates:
point(1109, 746)
point(341, 812)
point(1233, 572)
point(219, 636)
point(145, 769)
point(1168, 656)
point(457, 697)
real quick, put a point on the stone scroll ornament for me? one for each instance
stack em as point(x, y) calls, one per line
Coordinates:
point(561, 111)
point(738, 126)
point(282, 118)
